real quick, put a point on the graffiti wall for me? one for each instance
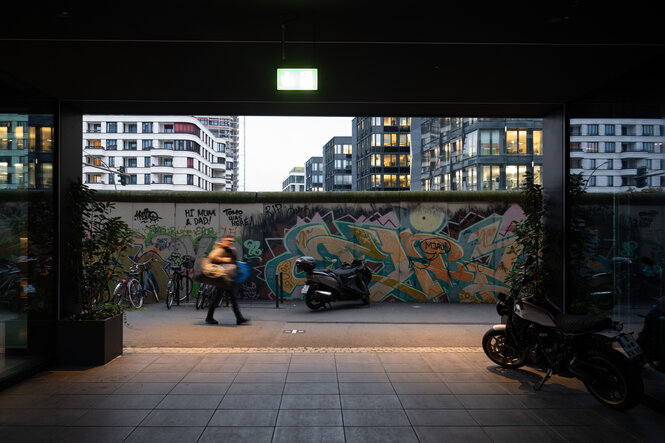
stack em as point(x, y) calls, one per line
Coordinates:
point(429, 252)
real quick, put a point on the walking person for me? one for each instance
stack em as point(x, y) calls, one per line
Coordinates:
point(225, 252)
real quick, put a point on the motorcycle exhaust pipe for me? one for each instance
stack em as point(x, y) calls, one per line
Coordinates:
point(323, 296)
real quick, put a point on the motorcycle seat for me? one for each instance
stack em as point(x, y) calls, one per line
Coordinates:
point(582, 323)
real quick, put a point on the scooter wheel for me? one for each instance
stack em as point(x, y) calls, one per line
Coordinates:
point(311, 304)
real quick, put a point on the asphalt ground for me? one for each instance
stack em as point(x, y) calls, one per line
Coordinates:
point(346, 325)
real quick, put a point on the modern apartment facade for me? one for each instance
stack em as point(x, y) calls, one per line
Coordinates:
point(338, 164)
point(618, 155)
point(156, 153)
point(314, 174)
point(382, 153)
point(226, 127)
point(295, 181)
point(469, 154)
point(26, 151)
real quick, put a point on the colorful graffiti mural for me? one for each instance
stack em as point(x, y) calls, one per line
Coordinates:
point(439, 253)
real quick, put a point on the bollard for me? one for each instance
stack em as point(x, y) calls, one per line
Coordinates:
point(281, 287)
point(277, 291)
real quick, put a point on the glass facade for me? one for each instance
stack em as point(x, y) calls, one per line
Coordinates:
point(27, 241)
point(487, 154)
point(617, 226)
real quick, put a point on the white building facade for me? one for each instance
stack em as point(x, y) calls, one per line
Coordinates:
point(295, 181)
point(155, 153)
point(618, 155)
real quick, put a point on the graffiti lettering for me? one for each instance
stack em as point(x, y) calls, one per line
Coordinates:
point(236, 218)
point(146, 216)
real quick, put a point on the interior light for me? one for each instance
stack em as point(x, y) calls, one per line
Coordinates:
point(297, 79)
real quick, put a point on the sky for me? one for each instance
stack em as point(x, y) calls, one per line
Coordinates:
point(274, 145)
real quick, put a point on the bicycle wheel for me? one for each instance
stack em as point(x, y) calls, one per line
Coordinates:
point(170, 294)
point(120, 293)
point(185, 287)
point(135, 293)
point(200, 295)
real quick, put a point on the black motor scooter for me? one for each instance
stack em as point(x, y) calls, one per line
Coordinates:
point(323, 286)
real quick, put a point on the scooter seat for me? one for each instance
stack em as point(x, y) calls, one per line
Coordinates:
point(582, 323)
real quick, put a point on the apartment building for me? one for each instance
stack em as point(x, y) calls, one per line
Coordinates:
point(314, 174)
point(470, 154)
point(295, 181)
point(338, 164)
point(382, 153)
point(156, 153)
point(618, 155)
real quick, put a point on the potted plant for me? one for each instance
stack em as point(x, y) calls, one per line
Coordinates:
point(529, 244)
point(93, 335)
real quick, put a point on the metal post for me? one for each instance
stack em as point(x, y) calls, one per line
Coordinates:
point(277, 291)
point(281, 287)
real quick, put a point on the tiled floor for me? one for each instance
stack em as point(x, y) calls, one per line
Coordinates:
point(305, 397)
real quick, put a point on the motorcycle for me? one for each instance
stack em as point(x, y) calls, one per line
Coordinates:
point(324, 286)
point(652, 336)
point(576, 346)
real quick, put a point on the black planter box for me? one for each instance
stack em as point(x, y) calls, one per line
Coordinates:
point(89, 342)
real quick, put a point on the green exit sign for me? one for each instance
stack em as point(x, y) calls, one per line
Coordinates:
point(297, 79)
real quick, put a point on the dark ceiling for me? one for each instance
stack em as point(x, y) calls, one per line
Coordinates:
point(374, 57)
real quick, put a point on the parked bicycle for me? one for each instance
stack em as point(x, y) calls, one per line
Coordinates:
point(179, 287)
point(204, 295)
point(147, 280)
point(126, 290)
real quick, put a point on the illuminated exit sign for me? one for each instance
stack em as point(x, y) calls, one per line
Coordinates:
point(297, 79)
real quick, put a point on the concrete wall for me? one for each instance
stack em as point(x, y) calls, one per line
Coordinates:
point(417, 251)
point(418, 247)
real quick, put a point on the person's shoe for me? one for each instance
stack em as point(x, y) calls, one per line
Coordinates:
point(212, 321)
point(242, 320)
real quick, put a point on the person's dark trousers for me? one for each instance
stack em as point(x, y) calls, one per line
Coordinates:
point(233, 293)
point(217, 296)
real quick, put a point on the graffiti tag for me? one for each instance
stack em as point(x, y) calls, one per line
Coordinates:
point(146, 216)
point(253, 249)
point(236, 217)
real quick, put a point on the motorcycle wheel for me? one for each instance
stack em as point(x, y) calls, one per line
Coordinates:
point(309, 300)
point(494, 345)
point(614, 380)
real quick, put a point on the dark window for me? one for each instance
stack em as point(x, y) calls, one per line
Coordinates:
point(190, 162)
point(130, 162)
point(129, 145)
point(168, 179)
point(647, 129)
point(147, 162)
point(146, 145)
point(609, 129)
point(130, 128)
point(132, 179)
point(592, 147)
point(190, 179)
point(647, 146)
point(146, 127)
point(168, 145)
point(94, 127)
point(168, 128)
point(592, 130)
point(168, 161)
point(146, 179)
point(111, 145)
point(610, 146)
point(112, 161)
point(112, 127)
